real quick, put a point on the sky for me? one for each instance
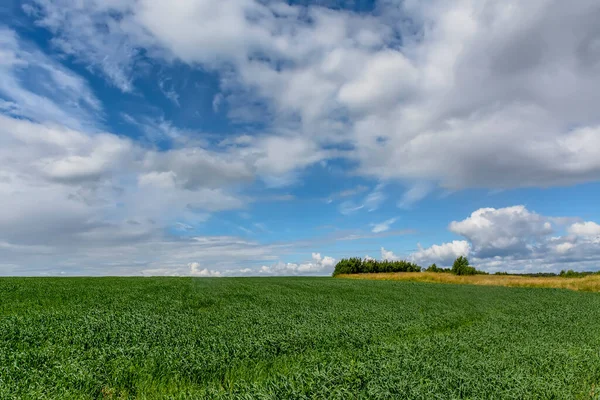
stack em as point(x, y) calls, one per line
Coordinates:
point(246, 137)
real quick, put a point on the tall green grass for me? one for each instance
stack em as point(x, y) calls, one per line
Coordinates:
point(276, 338)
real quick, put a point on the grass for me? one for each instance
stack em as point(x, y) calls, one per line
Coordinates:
point(280, 338)
point(590, 283)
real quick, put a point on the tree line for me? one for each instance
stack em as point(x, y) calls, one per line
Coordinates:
point(357, 265)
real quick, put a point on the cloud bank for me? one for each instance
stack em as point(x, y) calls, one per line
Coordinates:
point(514, 239)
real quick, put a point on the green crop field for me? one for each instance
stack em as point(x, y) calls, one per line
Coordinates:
point(279, 338)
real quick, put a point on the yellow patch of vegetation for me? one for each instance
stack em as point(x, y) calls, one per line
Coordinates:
point(589, 283)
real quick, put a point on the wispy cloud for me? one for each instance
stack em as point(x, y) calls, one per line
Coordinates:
point(415, 194)
point(374, 199)
point(347, 193)
point(349, 207)
point(39, 88)
point(166, 87)
point(371, 202)
point(383, 226)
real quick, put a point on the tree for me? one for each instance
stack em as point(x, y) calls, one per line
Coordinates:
point(433, 268)
point(461, 267)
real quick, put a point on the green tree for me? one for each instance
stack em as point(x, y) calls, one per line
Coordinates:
point(461, 267)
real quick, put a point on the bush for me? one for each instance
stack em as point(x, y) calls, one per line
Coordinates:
point(359, 266)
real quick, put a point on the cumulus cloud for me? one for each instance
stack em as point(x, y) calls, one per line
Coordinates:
point(104, 208)
point(515, 239)
point(443, 254)
point(56, 153)
point(409, 110)
point(278, 158)
point(588, 228)
point(502, 231)
point(317, 266)
point(195, 167)
point(386, 255)
point(197, 270)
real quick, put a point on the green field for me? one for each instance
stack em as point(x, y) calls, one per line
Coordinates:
point(278, 338)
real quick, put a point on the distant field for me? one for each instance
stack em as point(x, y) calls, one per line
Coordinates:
point(589, 283)
point(280, 338)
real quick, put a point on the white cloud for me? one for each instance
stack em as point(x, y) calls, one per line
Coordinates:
point(114, 218)
point(502, 231)
point(347, 193)
point(319, 266)
point(216, 103)
point(166, 87)
point(443, 254)
point(52, 152)
point(89, 32)
point(326, 262)
point(368, 92)
point(416, 193)
point(195, 167)
point(588, 228)
point(279, 157)
point(371, 202)
point(197, 270)
point(383, 226)
point(514, 239)
point(410, 110)
point(388, 255)
point(562, 248)
point(163, 180)
point(104, 210)
point(349, 207)
point(59, 96)
point(374, 199)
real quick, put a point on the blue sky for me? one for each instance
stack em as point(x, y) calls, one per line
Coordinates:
point(142, 137)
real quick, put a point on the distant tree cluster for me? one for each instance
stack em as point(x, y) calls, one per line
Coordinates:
point(460, 266)
point(576, 274)
point(357, 265)
point(435, 268)
point(563, 274)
